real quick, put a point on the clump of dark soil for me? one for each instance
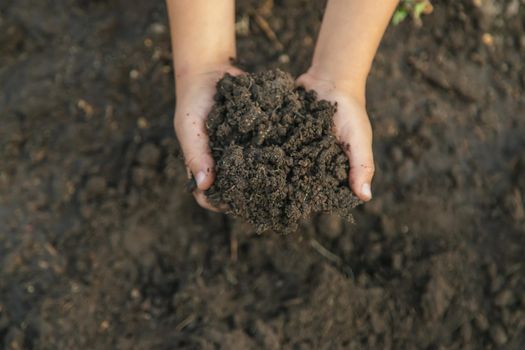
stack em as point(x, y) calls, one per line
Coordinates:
point(276, 158)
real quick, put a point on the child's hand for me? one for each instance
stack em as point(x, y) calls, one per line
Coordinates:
point(195, 92)
point(351, 127)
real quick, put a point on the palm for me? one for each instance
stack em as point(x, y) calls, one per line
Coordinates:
point(194, 101)
point(351, 127)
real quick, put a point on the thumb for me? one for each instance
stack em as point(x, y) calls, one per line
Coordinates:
point(357, 144)
point(193, 139)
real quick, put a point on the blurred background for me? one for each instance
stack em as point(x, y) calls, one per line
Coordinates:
point(101, 248)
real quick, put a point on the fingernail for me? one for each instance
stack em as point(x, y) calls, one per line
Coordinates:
point(366, 191)
point(201, 176)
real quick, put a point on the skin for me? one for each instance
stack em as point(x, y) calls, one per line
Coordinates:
point(203, 41)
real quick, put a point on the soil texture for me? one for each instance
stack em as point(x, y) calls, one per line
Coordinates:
point(102, 248)
point(277, 161)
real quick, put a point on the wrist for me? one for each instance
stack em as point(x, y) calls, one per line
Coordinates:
point(188, 78)
point(345, 82)
point(190, 71)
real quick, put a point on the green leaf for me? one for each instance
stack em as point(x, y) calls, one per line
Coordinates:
point(399, 16)
point(419, 8)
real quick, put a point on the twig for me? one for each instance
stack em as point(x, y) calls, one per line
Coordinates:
point(187, 321)
point(333, 258)
point(325, 252)
point(267, 30)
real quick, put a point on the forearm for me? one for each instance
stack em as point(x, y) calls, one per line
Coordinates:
point(202, 34)
point(348, 40)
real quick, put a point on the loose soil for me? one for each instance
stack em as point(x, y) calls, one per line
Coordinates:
point(277, 160)
point(101, 248)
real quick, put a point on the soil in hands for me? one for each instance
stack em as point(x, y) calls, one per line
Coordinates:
point(277, 160)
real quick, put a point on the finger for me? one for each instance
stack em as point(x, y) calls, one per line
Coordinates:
point(201, 199)
point(191, 132)
point(356, 137)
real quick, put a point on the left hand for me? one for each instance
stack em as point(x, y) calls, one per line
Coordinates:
point(351, 127)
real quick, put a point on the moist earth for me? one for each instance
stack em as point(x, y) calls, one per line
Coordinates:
point(277, 160)
point(102, 248)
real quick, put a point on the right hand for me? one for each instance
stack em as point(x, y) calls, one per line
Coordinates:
point(351, 127)
point(195, 92)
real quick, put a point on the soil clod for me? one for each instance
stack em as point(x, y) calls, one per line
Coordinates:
point(277, 160)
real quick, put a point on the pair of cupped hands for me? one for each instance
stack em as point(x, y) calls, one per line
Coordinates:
point(195, 92)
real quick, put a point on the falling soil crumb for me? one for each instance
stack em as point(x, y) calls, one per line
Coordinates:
point(277, 161)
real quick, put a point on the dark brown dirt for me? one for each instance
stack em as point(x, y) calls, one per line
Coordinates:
point(277, 161)
point(101, 248)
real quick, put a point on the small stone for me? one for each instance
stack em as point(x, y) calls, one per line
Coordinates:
point(242, 26)
point(308, 40)
point(85, 107)
point(134, 74)
point(158, 28)
point(284, 59)
point(135, 293)
point(148, 42)
point(142, 123)
point(487, 39)
point(104, 325)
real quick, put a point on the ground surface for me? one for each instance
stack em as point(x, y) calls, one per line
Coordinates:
point(100, 248)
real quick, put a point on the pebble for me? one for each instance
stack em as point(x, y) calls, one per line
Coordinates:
point(284, 59)
point(142, 123)
point(135, 293)
point(487, 39)
point(158, 28)
point(134, 74)
point(308, 41)
point(477, 3)
point(85, 107)
point(148, 42)
point(242, 26)
point(104, 325)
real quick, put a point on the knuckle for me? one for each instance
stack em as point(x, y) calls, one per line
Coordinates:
point(366, 168)
point(190, 160)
